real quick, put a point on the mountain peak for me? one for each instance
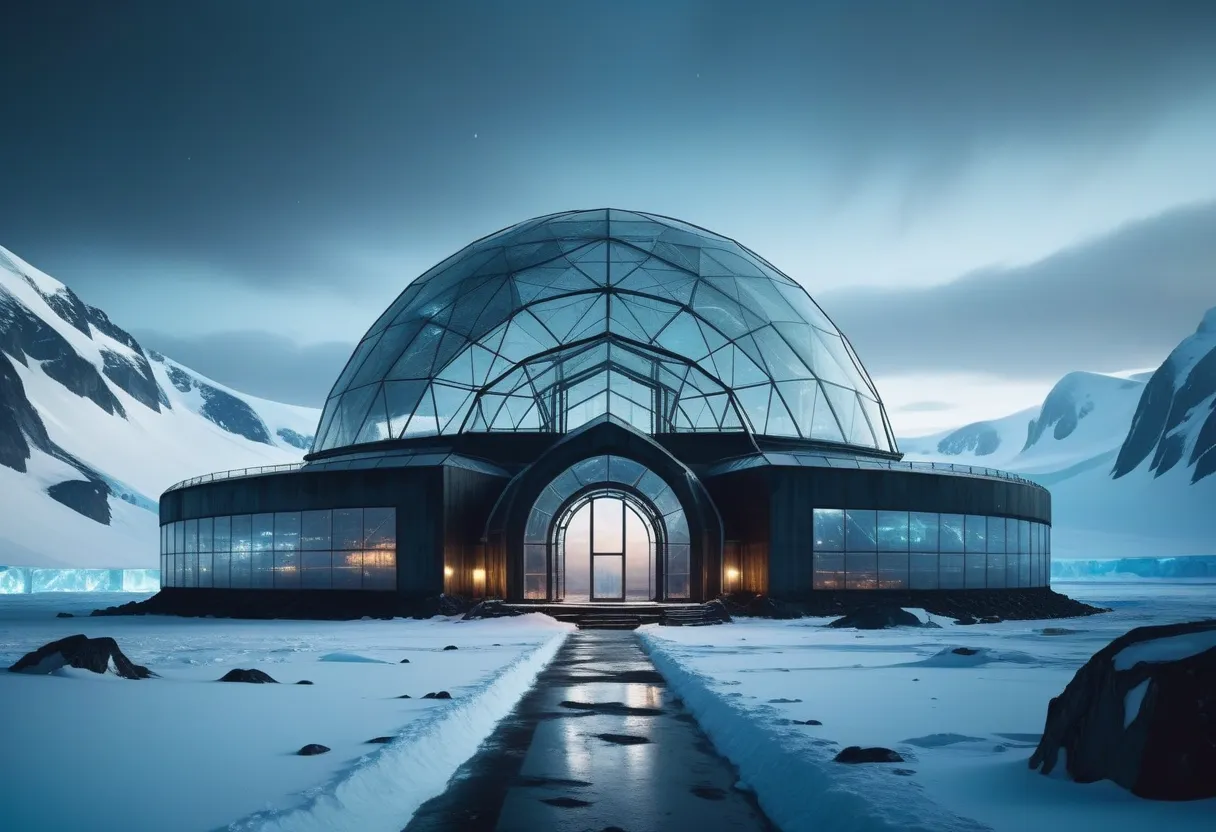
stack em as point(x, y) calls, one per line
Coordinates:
point(1208, 324)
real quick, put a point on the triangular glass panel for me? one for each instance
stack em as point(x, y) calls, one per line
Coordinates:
point(672, 283)
point(707, 266)
point(641, 281)
point(594, 321)
point(521, 340)
point(481, 360)
point(797, 297)
point(356, 361)
point(452, 344)
point(327, 419)
point(800, 397)
point(350, 415)
point(451, 405)
point(680, 256)
point(401, 398)
point(723, 364)
point(860, 433)
point(713, 338)
point(763, 296)
point(652, 315)
point(527, 255)
point(422, 422)
point(735, 261)
point(621, 322)
point(783, 364)
point(683, 337)
point(562, 314)
point(375, 425)
point(416, 360)
point(878, 424)
point(728, 286)
point(754, 401)
point(780, 423)
point(746, 371)
point(842, 402)
point(715, 307)
point(460, 369)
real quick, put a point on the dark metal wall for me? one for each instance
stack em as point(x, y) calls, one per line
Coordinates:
point(767, 512)
point(417, 494)
point(468, 497)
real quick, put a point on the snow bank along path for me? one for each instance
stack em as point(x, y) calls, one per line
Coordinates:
point(794, 777)
point(383, 790)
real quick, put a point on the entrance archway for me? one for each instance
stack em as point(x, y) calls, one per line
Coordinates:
point(607, 529)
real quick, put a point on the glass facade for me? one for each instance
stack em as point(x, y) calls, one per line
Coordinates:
point(558, 320)
point(864, 549)
point(353, 548)
point(544, 547)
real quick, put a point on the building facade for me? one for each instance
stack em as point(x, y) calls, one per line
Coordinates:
point(601, 406)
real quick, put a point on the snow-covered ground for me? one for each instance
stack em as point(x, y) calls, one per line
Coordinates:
point(965, 724)
point(184, 752)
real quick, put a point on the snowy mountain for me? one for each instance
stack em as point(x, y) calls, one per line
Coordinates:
point(93, 428)
point(1129, 461)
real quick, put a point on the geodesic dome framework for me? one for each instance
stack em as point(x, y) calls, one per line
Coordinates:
point(555, 321)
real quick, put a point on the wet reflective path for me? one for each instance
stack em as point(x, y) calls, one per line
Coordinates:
point(598, 743)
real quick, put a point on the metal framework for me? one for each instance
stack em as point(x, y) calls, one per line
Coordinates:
point(555, 321)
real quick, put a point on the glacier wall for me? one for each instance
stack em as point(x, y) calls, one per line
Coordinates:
point(1197, 566)
point(25, 579)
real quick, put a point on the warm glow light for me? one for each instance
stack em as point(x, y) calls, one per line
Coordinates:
point(448, 571)
point(732, 574)
point(479, 574)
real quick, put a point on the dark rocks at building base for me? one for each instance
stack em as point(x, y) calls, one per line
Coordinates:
point(380, 740)
point(305, 604)
point(440, 694)
point(64, 615)
point(252, 676)
point(494, 608)
point(964, 605)
point(715, 610)
point(404, 661)
point(313, 749)
point(451, 647)
point(877, 618)
point(857, 754)
point(85, 497)
point(1058, 631)
point(966, 620)
point(95, 654)
point(1166, 750)
point(304, 682)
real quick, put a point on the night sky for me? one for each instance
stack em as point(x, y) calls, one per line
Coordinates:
point(984, 195)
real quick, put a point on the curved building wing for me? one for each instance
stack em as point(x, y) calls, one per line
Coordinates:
point(551, 323)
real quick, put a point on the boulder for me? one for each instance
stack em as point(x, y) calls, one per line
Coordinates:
point(451, 647)
point(877, 618)
point(857, 754)
point(491, 608)
point(95, 654)
point(252, 675)
point(442, 694)
point(64, 615)
point(715, 610)
point(303, 682)
point(313, 749)
point(1142, 713)
point(966, 620)
point(404, 661)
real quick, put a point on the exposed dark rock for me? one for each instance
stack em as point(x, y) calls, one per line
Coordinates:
point(857, 754)
point(134, 376)
point(95, 654)
point(623, 739)
point(980, 438)
point(380, 740)
point(262, 604)
point(84, 497)
point(230, 413)
point(783, 701)
point(440, 694)
point(304, 682)
point(405, 696)
point(903, 772)
point(709, 792)
point(404, 661)
point(807, 722)
point(1058, 631)
point(491, 608)
point(966, 620)
point(715, 610)
point(294, 439)
point(614, 708)
point(877, 618)
point(451, 647)
point(1060, 409)
point(965, 651)
point(313, 749)
point(1166, 750)
point(565, 802)
point(64, 615)
point(990, 619)
point(251, 675)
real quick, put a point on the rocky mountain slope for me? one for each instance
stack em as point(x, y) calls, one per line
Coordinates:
point(93, 428)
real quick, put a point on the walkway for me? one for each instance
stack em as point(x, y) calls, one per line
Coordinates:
point(597, 744)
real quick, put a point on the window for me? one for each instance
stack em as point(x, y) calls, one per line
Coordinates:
point(892, 531)
point(829, 529)
point(860, 531)
point(923, 532)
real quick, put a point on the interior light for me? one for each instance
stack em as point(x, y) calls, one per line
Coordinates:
point(448, 571)
point(732, 574)
point(479, 574)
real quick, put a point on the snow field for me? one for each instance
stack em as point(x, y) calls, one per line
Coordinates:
point(186, 752)
point(966, 725)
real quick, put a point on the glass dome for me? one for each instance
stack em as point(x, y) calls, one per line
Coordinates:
point(555, 321)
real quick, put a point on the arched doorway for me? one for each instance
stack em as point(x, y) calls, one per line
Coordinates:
point(607, 529)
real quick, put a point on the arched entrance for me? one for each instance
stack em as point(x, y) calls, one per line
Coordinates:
point(607, 529)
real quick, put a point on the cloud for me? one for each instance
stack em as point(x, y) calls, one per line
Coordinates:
point(258, 363)
point(1123, 300)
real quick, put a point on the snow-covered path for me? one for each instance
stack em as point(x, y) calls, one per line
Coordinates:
point(965, 724)
point(184, 752)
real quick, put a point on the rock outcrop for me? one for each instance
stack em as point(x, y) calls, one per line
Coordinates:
point(95, 654)
point(1142, 713)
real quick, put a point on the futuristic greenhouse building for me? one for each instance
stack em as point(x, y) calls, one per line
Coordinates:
point(604, 406)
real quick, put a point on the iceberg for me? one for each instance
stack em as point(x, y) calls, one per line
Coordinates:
point(1196, 566)
point(15, 580)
